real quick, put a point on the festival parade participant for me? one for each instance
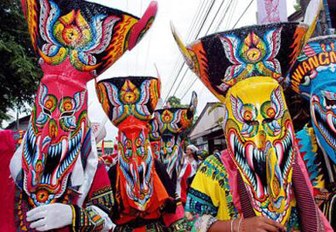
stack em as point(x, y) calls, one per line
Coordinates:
point(172, 122)
point(144, 195)
point(188, 170)
point(59, 181)
point(259, 183)
point(314, 77)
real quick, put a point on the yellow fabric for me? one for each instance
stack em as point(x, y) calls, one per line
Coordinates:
point(207, 181)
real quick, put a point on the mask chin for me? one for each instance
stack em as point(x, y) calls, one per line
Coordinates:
point(267, 179)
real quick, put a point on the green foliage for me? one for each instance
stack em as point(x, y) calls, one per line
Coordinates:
point(220, 120)
point(297, 5)
point(19, 71)
point(175, 102)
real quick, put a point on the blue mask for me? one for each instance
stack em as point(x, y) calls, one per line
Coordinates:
point(314, 76)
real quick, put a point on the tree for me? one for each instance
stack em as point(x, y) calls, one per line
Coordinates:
point(297, 5)
point(175, 102)
point(19, 71)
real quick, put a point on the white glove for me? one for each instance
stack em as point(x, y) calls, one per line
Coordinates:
point(48, 217)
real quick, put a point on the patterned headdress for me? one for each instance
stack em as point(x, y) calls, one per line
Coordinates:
point(244, 68)
point(314, 77)
point(75, 41)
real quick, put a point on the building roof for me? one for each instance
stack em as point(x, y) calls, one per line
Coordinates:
point(23, 123)
point(207, 122)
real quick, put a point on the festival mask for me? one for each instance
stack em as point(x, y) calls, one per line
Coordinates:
point(75, 41)
point(260, 135)
point(244, 68)
point(154, 137)
point(53, 142)
point(314, 76)
point(172, 122)
point(129, 103)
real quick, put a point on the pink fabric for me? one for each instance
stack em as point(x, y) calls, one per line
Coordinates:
point(170, 218)
point(232, 174)
point(302, 165)
point(7, 189)
point(232, 177)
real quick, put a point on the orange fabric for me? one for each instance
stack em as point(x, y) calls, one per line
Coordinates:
point(129, 212)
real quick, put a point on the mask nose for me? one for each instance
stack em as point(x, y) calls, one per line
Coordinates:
point(261, 140)
point(53, 129)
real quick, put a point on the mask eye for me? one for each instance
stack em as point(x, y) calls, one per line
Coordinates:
point(46, 111)
point(247, 116)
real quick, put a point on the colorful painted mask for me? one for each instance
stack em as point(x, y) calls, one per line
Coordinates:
point(129, 103)
point(75, 41)
point(172, 122)
point(243, 68)
point(260, 135)
point(154, 137)
point(314, 76)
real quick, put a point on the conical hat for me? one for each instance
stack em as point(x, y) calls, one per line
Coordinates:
point(88, 35)
point(222, 59)
point(315, 66)
point(122, 97)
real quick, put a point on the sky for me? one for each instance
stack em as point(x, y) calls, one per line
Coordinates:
point(158, 47)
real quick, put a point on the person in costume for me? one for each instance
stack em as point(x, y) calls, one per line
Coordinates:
point(314, 77)
point(144, 195)
point(59, 182)
point(172, 122)
point(259, 183)
point(190, 165)
point(192, 157)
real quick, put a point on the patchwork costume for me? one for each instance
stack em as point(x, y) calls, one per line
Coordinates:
point(260, 174)
point(144, 196)
point(59, 181)
point(314, 77)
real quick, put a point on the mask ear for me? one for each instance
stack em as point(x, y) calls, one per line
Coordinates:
point(186, 54)
point(193, 105)
point(312, 13)
point(141, 27)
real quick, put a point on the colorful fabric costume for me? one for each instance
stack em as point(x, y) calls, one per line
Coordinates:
point(56, 167)
point(172, 122)
point(314, 77)
point(144, 195)
point(244, 69)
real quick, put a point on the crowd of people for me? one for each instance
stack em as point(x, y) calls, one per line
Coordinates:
point(268, 178)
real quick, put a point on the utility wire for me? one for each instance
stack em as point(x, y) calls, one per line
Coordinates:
point(206, 33)
point(183, 63)
point(199, 10)
point(242, 14)
point(248, 6)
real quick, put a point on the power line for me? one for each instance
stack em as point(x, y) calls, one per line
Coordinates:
point(192, 27)
point(242, 14)
point(248, 6)
point(219, 8)
point(183, 63)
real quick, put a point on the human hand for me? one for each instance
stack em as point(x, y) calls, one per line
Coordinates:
point(48, 217)
point(259, 224)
